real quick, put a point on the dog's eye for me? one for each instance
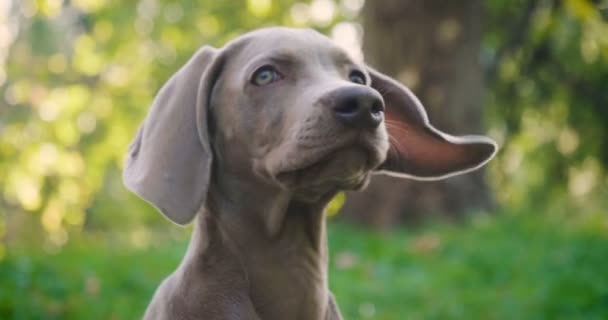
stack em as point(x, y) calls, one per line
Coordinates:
point(265, 75)
point(357, 77)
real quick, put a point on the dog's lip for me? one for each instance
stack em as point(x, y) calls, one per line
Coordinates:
point(289, 174)
point(366, 144)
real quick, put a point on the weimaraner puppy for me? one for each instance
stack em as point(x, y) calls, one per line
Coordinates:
point(255, 139)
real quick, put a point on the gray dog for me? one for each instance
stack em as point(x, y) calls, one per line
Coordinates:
point(256, 138)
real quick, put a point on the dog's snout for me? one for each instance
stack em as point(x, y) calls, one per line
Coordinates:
point(358, 107)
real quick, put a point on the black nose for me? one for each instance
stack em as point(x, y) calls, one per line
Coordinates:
point(358, 107)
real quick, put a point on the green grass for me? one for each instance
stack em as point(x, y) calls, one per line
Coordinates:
point(501, 267)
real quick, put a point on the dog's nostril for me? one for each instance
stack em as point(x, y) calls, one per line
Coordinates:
point(377, 108)
point(347, 108)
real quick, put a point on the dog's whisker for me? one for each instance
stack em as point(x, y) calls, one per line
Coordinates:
point(397, 128)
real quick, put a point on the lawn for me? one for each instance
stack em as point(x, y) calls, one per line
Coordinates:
point(508, 266)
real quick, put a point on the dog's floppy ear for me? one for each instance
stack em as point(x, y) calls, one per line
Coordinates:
point(169, 161)
point(418, 150)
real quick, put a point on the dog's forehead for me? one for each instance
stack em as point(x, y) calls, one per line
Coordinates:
point(303, 43)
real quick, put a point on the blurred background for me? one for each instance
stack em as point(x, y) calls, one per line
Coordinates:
point(526, 238)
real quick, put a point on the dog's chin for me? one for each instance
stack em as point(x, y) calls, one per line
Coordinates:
point(346, 168)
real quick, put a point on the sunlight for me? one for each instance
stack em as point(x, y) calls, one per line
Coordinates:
point(47, 158)
point(300, 13)
point(410, 76)
point(582, 180)
point(48, 111)
point(322, 11)
point(352, 7)
point(140, 238)
point(448, 32)
point(348, 36)
point(8, 32)
point(259, 8)
point(28, 192)
point(89, 5)
point(567, 141)
point(52, 216)
point(86, 59)
point(50, 8)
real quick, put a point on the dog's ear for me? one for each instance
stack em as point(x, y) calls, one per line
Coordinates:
point(418, 150)
point(169, 161)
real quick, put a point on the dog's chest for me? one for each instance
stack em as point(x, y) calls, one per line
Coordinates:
point(290, 290)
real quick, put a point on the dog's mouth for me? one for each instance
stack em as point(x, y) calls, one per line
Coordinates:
point(312, 168)
point(343, 167)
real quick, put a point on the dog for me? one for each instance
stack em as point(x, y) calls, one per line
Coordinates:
point(255, 138)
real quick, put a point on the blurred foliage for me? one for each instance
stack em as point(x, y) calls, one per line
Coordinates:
point(514, 266)
point(548, 103)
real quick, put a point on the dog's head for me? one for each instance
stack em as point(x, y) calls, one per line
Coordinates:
point(290, 108)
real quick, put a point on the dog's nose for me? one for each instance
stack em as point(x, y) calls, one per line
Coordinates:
point(359, 107)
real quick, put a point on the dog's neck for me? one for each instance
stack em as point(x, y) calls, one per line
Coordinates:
point(279, 242)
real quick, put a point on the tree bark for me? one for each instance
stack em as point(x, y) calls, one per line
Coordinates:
point(433, 47)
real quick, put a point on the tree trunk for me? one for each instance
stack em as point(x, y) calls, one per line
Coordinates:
point(433, 47)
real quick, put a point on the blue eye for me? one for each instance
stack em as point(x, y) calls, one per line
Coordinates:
point(357, 77)
point(265, 75)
